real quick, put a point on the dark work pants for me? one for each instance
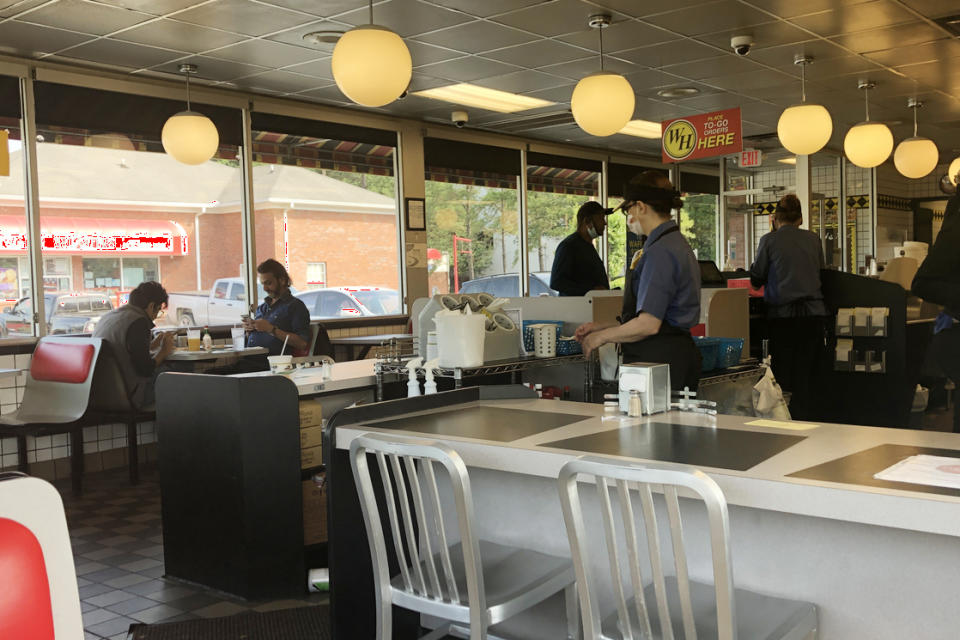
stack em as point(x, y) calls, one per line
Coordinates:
point(946, 350)
point(797, 347)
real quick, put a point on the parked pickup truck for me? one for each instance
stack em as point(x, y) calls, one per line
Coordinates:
point(224, 304)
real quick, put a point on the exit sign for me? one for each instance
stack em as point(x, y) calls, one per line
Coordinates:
point(751, 158)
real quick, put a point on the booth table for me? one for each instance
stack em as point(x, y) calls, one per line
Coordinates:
point(359, 346)
point(808, 520)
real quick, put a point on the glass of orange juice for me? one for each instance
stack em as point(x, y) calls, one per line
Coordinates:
point(193, 340)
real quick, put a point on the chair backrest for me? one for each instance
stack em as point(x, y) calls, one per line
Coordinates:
point(408, 475)
point(637, 480)
point(110, 391)
point(314, 331)
point(60, 378)
point(40, 598)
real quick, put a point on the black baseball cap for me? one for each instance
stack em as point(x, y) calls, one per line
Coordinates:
point(590, 209)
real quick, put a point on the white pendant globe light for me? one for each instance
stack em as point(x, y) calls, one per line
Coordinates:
point(916, 157)
point(804, 128)
point(602, 103)
point(953, 171)
point(371, 64)
point(868, 144)
point(188, 136)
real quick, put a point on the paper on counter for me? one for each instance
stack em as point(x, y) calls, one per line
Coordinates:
point(935, 471)
point(778, 424)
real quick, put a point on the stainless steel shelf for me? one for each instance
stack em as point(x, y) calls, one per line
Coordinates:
point(490, 368)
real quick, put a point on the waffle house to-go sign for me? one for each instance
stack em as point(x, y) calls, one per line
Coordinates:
point(704, 135)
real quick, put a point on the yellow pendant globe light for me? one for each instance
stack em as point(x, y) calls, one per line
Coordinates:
point(868, 144)
point(916, 157)
point(953, 171)
point(188, 136)
point(804, 128)
point(371, 64)
point(602, 103)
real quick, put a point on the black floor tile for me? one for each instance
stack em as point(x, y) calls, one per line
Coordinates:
point(133, 605)
point(111, 627)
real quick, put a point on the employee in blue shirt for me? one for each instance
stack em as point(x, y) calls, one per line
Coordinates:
point(281, 316)
point(661, 300)
point(788, 266)
point(577, 267)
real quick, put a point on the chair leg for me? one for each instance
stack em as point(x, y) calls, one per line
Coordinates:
point(384, 615)
point(574, 630)
point(76, 461)
point(133, 453)
point(22, 465)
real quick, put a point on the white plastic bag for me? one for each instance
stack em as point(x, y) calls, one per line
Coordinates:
point(609, 361)
point(768, 399)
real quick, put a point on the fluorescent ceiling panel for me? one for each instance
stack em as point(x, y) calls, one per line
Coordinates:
point(470, 95)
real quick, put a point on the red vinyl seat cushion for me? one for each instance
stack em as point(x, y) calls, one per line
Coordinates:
point(25, 609)
point(60, 362)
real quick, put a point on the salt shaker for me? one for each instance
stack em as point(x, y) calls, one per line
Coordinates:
point(635, 405)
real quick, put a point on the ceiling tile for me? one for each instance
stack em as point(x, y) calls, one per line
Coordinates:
point(9, 8)
point(523, 81)
point(577, 69)
point(726, 64)
point(554, 18)
point(485, 8)
point(745, 82)
point(944, 49)
point(281, 81)
point(620, 36)
point(243, 16)
point(428, 54)
point(644, 9)
point(315, 68)
point(122, 54)
point(782, 57)
point(539, 53)
point(326, 94)
point(32, 40)
point(467, 69)
point(559, 94)
point(153, 7)
point(420, 81)
point(324, 9)
point(213, 69)
point(934, 74)
point(853, 18)
point(295, 36)
point(178, 35)
point(475, 37)
point(710, 18)
point(673, 52)
point(903, 35)
point(266, 53)
point(407, 17)
point(85, 17)
point(792, 8)
point(771, 34)
point(933, 8)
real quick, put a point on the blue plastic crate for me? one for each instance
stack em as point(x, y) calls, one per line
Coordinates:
point(709, 352)
point(729, 351)
point(568, 347)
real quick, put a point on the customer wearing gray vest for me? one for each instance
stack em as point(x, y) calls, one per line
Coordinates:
point(127, 329)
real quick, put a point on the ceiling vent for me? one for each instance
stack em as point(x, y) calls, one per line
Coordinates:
point(531, 123)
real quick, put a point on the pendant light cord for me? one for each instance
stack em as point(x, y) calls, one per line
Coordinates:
point(188, 91)
point(915, 121)
point(371, 11)
point(601, 47)
point(866, 101)
point(803, 82)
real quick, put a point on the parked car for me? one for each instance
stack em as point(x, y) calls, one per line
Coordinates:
point(65, 313)
point(348, 302)
point(224, 304)
point(507, 285)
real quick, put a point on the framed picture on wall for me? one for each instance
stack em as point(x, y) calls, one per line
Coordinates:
point(416, 214)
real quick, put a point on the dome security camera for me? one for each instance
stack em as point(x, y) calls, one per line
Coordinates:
point(460, 118)
point(741, 45)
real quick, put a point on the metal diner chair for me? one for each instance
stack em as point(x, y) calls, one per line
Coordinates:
point(690, 609)
point(40, 597)
point(472, 584)
point(55, 398)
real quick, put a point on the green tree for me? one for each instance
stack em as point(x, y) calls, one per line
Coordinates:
point(699, 224)
point(384, 185)
point(549, 216)
point(467, 211)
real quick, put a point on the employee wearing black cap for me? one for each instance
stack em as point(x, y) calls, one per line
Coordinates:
point(661, 298)
point(577, 268)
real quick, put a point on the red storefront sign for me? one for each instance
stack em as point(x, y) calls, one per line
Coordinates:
point(97, 235)
point(701, 136)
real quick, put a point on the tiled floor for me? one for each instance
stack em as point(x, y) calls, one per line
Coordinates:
point(118, 550)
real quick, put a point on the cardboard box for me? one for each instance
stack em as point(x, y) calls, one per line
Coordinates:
point(314, 513)
point(311, 413)
point(312, 457)
point(311, 437)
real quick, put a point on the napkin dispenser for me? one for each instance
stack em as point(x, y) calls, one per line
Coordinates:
point(652, 380)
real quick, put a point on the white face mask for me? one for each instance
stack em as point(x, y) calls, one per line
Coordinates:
point(592, 232)
point(634, 225)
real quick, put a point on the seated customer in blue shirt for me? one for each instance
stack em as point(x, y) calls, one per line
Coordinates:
point(281, 317)
point(661, 298)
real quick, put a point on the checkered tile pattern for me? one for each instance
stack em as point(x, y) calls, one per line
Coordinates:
point(118, 550)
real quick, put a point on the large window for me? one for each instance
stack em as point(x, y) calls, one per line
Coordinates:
point(326, 207)
point(698, 223)
point(116, 210)
point(473, 219)
point(15, 299)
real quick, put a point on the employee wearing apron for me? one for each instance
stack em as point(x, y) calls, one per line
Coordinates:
point(661, 300)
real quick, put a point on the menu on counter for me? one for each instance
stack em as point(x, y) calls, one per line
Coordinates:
point(936, 471)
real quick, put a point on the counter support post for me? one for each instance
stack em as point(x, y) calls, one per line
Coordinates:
point(378, 371)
